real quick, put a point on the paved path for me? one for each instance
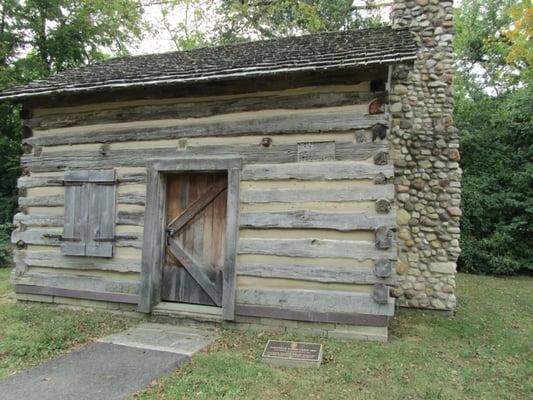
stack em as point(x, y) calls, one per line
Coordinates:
point(113, 368)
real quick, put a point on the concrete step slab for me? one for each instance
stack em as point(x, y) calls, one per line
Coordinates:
point(163, 337)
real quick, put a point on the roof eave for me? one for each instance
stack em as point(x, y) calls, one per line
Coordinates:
point(26, 95)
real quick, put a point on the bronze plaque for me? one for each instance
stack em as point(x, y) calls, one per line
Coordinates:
point(293, 354)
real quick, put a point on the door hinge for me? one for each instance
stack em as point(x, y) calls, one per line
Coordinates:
point(169, 233)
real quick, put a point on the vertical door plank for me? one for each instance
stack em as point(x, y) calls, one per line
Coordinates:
point(101, 219)
point(75, 220)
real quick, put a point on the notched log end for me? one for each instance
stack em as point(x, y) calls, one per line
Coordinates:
point(27, 132)
point(383, 206)
point(380, 179)
point(384, 237)
point(380, 294)
point(381, 158)
point(383, 268)
point(377, 106)
point(379, 131)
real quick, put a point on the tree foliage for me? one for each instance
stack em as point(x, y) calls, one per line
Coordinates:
point(250, 19)
point(40, 37)
point(520, 34)
point(195, 27)
point(494, 115)
point(220, 22)
point(497, 158)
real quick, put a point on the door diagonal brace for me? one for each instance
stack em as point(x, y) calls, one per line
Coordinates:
point(196, 270)
point(202, 202)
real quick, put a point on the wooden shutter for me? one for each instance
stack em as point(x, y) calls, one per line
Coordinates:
point(76, 213)
point(89, 227)
point(101, 221)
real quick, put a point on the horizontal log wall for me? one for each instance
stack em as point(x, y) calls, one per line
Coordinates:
point(307, 228)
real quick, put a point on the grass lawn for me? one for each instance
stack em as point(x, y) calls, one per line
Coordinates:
point(485, 351)
point(30, 334)
point(5, 285)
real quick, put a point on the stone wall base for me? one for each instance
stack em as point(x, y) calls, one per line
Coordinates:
point(127, 309)
point(317, 329)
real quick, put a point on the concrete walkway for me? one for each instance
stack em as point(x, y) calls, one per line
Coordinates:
point(112, 368)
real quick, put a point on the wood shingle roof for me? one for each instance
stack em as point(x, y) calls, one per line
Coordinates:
point(323, 51)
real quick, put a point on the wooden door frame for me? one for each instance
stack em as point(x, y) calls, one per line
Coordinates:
point(153, 252)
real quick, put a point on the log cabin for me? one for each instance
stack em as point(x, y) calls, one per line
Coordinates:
point(307, 183)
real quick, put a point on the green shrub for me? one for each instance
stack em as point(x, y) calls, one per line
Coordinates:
point(5, 244)
point(497, 152)
point(10, 151)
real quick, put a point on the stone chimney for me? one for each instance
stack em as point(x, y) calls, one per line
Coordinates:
point(425, 151)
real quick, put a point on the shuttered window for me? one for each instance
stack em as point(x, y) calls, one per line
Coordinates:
point(89, 223)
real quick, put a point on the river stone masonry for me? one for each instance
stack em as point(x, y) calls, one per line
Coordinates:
point(425, 152)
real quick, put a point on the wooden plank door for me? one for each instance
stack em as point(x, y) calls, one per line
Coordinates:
point(195, 238)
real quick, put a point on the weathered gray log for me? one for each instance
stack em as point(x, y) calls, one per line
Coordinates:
point(37, 220)
point(290, 195)
point(138, 198)
point(42, 201)
point(313, 171)
point(311, 247)
point(184, 161)
point(78, 282)
point(130, 218)
point(312, 316)
point(47, 237)
point(284, 153)
point(50, 259)
point(134, 177)
point(314, 273)
point(77, 294)
point(317, 220)
point(316, 122)
point(34, 220)
point(380, 293)
point(384, 237)
point(199, 109)
point(310, 300)
point(383, 268)
point(59, 199)
point(26, 182)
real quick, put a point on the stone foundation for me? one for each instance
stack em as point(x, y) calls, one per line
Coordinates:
point(318, 329)
point(425, 152)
